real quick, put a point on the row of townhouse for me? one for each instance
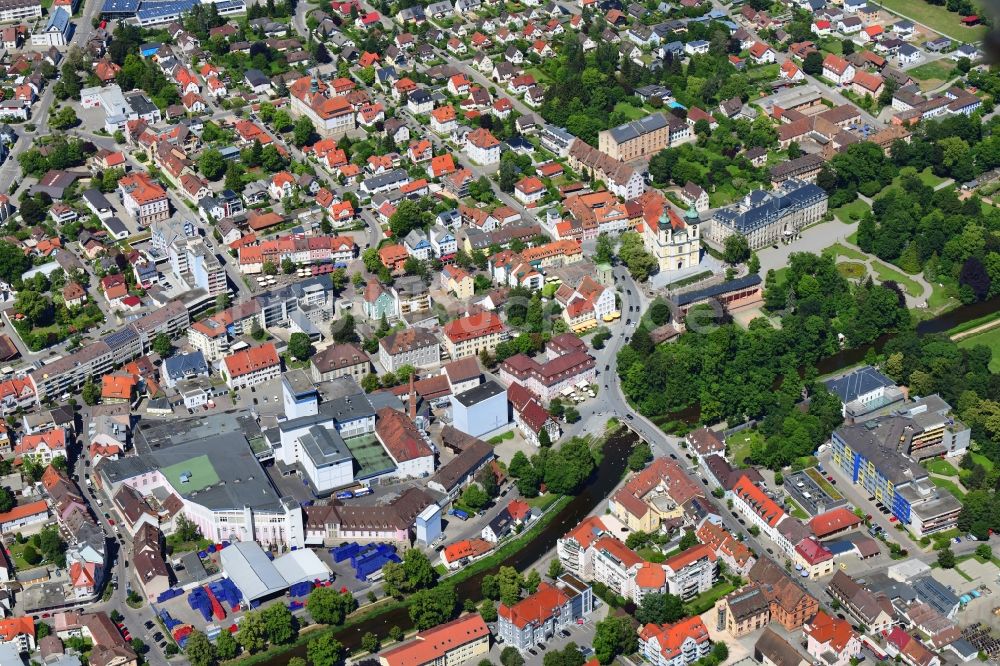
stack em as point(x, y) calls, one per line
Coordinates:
point(299, 250)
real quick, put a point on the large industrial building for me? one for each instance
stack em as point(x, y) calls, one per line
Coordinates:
point(258, 577)
point(210, 463)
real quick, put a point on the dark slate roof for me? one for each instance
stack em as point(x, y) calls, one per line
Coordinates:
point(861, 381)
point(717, 290)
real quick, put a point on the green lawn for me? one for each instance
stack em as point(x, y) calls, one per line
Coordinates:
point(779, 275)
point(543, 502)
point(949, 486)
point(883, 273)
point(980, 459)
point(650, 554)
point(991, 339)
point(937, 70)
point(825, 485)
point(928, 178)
point(831, 45)
point(851, 270)
point(794, 509)
point(838, 250)
point(942, 467)
point(501, 437)
point(723, 195)
point(629, 110)
point(706, 600)
point(741, 443)
point(936, 18)
point(540, 76)
point(17, 557)
point(767, 72)
point(941, 296)
point(851, 211)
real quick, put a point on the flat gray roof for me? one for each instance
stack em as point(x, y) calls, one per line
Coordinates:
point(478, 394)
point(324, 447)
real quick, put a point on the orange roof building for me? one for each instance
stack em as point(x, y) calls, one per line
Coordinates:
point(471, 335)
point(19, 630)
point(393, 256)
point(42, 446)
point(454, 553)
point(549, 609)
point(22, 515)
point(117, 388)
point(662, 644)
point(757, 506)
point(464, 639)
point(826, 635)
point(833, 522)
point(252, 366)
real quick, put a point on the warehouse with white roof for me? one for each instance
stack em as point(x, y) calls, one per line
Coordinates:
point(258, 577)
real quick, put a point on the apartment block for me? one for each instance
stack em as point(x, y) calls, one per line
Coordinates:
point(474, 334)
point(644, 137)
point(538, 617)
point(144, 199)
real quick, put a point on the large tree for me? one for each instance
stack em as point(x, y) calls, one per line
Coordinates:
point(429, 608)
point(199, 651)
point(614, 636)
point(660, 609)
point(328, 606)
point(324, 650)
point(13, 262)
point(279, 624)
point(212, 164)
point(252, 634)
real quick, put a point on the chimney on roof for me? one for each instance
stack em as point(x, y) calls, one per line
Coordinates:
point(413, 399)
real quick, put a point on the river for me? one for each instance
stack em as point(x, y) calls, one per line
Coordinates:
point(607, 476)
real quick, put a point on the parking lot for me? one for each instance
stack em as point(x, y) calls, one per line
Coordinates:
point(804, 488)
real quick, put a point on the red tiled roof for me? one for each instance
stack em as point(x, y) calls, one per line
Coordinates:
point(833, 521)
point(473, 326)
point(831, 631)
point(534, 609)
point(466, 548)
point(587, 532)
point(690, 556)
point(23, 511)
point(651, 576)
point(433, 644)
point(618, 550)
point(248, 360)
point(671, 637)
point(400, 436)
point(762, 505)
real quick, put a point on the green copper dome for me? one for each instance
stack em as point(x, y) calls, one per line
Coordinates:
point(664, 222)
point(691, 216)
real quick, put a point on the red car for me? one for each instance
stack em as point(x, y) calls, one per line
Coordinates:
point(893, 519)
point(111, 521)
